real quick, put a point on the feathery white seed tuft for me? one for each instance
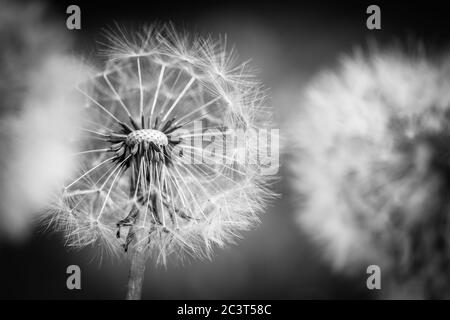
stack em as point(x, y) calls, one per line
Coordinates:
point(147, 177)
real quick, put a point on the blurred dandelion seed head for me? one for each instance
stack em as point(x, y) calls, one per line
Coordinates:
point(371, 159)
point(143, 122)
point(37, 112)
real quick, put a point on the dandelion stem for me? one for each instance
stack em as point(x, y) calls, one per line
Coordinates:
point(138, 258)
point(138, 246)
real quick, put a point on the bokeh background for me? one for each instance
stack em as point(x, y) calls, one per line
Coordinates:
point(289, 43)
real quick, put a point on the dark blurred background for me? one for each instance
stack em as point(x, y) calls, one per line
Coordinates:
point(289, 43)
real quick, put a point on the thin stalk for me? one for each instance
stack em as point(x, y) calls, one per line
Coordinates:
point(137, 247)
point(137, 269)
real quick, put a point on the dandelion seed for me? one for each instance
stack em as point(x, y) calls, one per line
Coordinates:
point(138, 183)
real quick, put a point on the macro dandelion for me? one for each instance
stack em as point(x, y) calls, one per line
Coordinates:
point(161, 170)
point(372, 162)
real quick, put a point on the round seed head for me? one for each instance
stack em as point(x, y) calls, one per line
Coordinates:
point(149, 175)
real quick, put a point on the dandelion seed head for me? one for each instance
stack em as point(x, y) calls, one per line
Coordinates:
point(153, 173)
point(370, 160)
point(38, 74)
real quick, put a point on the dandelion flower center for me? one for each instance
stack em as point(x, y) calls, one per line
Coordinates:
point(147, 135)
